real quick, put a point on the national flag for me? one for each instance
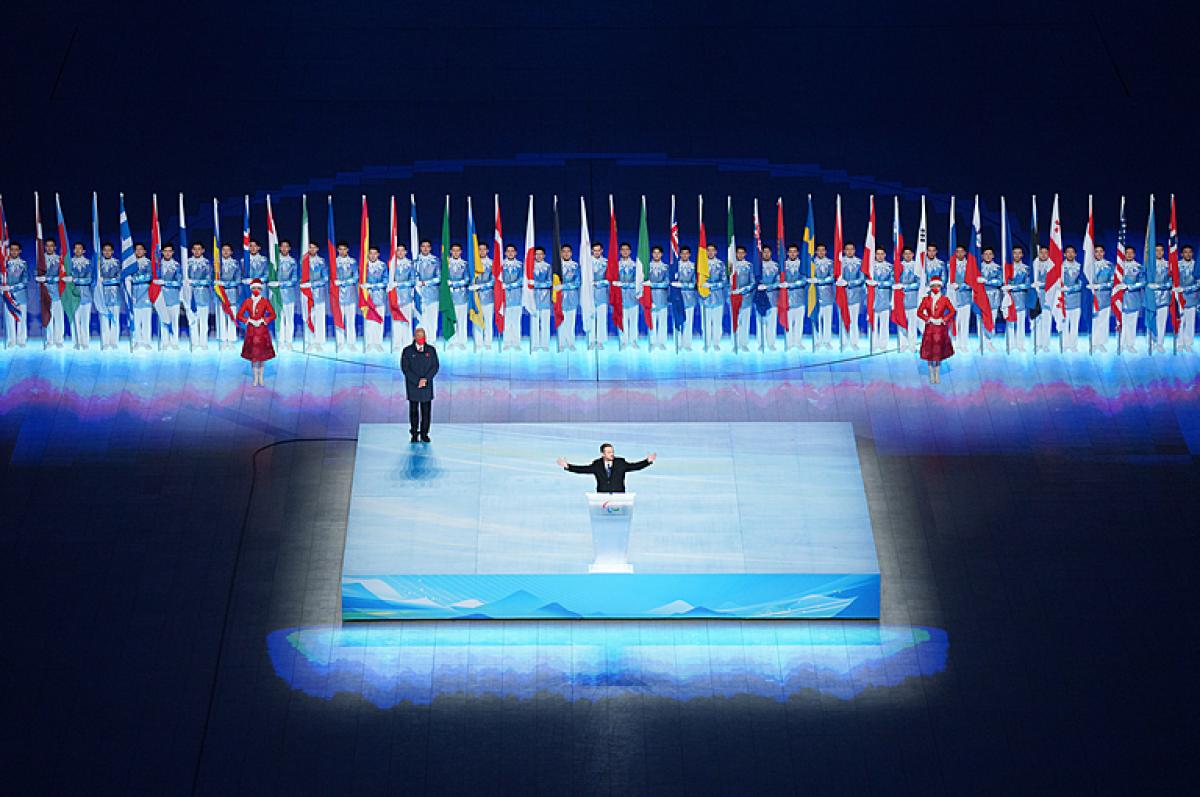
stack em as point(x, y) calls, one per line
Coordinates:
point(735, 299)
point(675, 293)
point(898, 314)
point(1056, 301)
point(556, 276)
point(306, 266)
point(128, 266)
point(155, 291)
point(393, 256)
point(10, 303)
point(613, 272)
point(922, 249)
point(185, 292)
point(868, 256)
point(951, 250)
point(364, 245)
point(1033, 230)
point(273, 255)
point(762, 303)
point(781, 256)
point(498, 269)
point(1173, 262)
point(67, 291)
point(1150, 265)
point(445, 298)
point(102, 307)
point(978, 290)
point(702, 257)
point(1007, 305)
point(587, 295)
point(807, 250)
point(40, 253)
point(335, 292)
point(641, 286)
point(245, 243)
point(219, 290)
point(1089, 255)
point(527, 297)
point(843, 302)
point(1119, 268)
point(474, 268)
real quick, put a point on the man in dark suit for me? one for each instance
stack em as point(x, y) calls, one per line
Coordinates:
point(419, 362)
point(609, 469)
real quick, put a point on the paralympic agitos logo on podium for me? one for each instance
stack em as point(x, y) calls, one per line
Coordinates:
point(612, 509)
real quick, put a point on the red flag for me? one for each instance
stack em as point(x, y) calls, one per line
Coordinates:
point(364, 244)
point(1053, 286)
point(498, 270)
point(869, 258)
point(155, 253)
point(779, 244)
point(40, 247)
point(393, 256)
point(898, 314)
point(1173, 262)
point(978, 289)
point(613, 272)
point(335, 292)
point(843, 302)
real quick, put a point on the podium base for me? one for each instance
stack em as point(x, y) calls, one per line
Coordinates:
point(612, 568)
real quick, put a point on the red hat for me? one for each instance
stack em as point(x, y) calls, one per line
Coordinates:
point(256, 281)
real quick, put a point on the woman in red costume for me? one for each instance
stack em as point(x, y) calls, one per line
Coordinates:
point(256, 312)
point(937, 312)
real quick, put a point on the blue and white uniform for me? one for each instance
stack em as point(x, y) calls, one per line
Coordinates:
point(55, 332)
point(81, 275)
point(713, 306)
point(1162, 285)
point(543, 302)
point(769, 321)
point(960, 293)
point(16, 330)
point(742, 277)
point(991, 274)
point(1189, 292)
point(287, 273)
point(797, 284)
point(910, 284)
point(143, 312)
point(856, 294)
point(597, 325)
point(1018, 294)
point(512, 277)
point(883, 276)
point(200, 275)
point(1072, 287)
point(1101, 287)
point(572, 282)
point(404, 283)
point(658, 277)
point(458, 279)
point(429, 281)
point(170, 283)
point(345, 279)
point(376, 286)
point(1132, 298)
point(1041, 324)
point(627, 276)
point(822, 277)
point(114, 301)
point(230, 278)
point(685, 281)
point(318, 284)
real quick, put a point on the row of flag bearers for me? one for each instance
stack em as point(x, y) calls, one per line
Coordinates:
point(653, 293)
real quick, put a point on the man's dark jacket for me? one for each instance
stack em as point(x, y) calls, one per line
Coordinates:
point(604, 482)
point(418, 365)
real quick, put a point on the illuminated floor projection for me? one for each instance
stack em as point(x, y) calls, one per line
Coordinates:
point(750, 520)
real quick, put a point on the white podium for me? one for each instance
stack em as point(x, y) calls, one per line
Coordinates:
point(611, 514)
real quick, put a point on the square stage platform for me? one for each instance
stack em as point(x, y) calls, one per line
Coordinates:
point(762, 520)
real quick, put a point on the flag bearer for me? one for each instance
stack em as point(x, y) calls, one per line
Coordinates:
point(169, 282)
point(658, 276)
point(429, 280)
point(822, 277)
point(713, 305)
point(1072, 281)
point(258, 268)
point(543, 300)
point(769, 286)
point(1189, 294)
point(572, 282)
point(1101, 287)
point(883, 278)
point(963, 297)
point(1018, 294)
point(403, 281)
point(1162, 285)
point(16, 326)
point(1041, 324)
point(742, 275)
point(81, 275)
point(318, 276)
point(856, 293)
point(110, 285)
point(991, 276)
point(55, 332)
point(796, 281)
point(910, 284)
point(376, 285)
point(597, 325)
point(229, 276)
point(142, 310)
point(685, 281)
point(1133, 280)
point(512, 276)
point(483, 293)
point(200, 274)
point(288, 272)
point(459, 279)
point(627, 275)
point(345, 278)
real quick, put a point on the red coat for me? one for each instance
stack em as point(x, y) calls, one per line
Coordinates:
point(257, 346)
point(935, 342)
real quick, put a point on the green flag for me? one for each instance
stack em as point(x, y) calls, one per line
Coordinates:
point(445, 301)
point(643, 257)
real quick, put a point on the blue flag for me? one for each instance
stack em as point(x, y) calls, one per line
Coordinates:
point(128, 262)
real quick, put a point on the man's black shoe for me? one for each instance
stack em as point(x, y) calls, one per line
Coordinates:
point(424, 438)
point(413, 438)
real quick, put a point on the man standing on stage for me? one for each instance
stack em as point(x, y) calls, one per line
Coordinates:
point(1072, 295)
point(170, 281)
point(1160, 283)
point(404, 280)
point(318, 276)
point(543, 300)
point(1133, 280)
point(1189, 290)
point(376, 286)
point(110, 285)
point(627, 274)
point(910, 284)
point(597, 325)
point(1101, 287)
point(572, 282)
point(685, 281)
point(658, 277)
point(17, 272)
point(229, 276)
point(769, 285)
point(288, 274)
point(512, 276)
point(459, 279)
point(1018, 293)
point(883, 279)
point(822, 277)
point(483, 293)
point(141, 310)
point(345, 278)
point(991, 274)
point(712, 307)
point(419, 362)
point(54, 333)
point(429, 280)
point(796, 281)
point(743, 278)
point(200, 275)
point(963, 298)
point(80, 273)
point(609, 469)
point(854, 282)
